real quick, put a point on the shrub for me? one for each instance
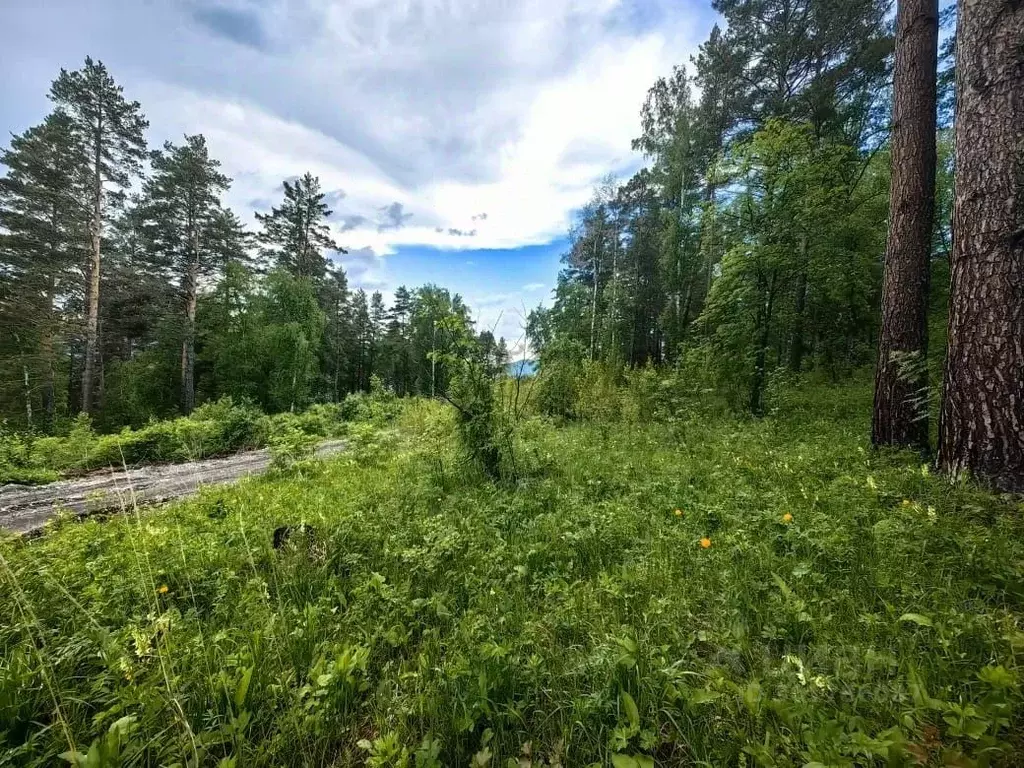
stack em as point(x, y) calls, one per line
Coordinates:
point(642, 397)
point(598, 398)
point(558, 388)
point(214, 429)
point(18, 463)
point(289, 445)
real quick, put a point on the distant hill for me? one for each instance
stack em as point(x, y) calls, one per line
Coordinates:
point(521, 369)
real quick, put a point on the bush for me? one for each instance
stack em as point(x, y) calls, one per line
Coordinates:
point(17, 464)
point(642, 398)
point(214, 429)
point(558, 388)
point(290, 445)
point(598, 398)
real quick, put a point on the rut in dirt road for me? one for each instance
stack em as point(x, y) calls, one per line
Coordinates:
point(24, 509)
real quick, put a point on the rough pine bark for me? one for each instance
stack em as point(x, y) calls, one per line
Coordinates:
point(92, 289)
point(981, 426)
point(900, 414)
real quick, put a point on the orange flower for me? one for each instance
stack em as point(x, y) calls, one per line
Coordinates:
point(679, 513)
point(705, 542)
point(163, 589)
point(787, 518)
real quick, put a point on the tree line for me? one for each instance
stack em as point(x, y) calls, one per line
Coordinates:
point(800, 211)
point(129, 290)
point(826, 188)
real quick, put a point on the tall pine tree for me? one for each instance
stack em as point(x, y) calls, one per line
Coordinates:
point(901, 378)
point(981, 427)
point(188, 226)
point(109, 129)
point(44, 222)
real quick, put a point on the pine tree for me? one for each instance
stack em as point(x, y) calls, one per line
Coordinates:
point(296, 234)
point(334, 299)
point(378, 327)
point(188, 226)
point(362, 341)
point(809, 60)
point(397, 340)
point(981, 427)
point(901, 378)
point(109, 129)
point(43, 223)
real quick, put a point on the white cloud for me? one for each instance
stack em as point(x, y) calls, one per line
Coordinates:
point(458, 124)
point(487, 123)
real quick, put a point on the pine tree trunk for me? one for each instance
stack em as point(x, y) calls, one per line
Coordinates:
point(981, 427)
point(27, 382)
point(188, 347)
point(92, 293)
point(796, 349)
point(47, 351)
point(901, 378)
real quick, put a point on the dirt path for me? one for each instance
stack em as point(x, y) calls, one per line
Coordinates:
point(24, 509)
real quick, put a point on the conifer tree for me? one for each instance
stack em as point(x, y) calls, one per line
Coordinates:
point(43, 221)
point(901, 379)
point(109, 130)
point(189, 228)
point(981, 427)
point(296, 234)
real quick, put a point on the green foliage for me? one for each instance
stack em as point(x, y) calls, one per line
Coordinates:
point(289, 444)
point(296, 234)
point(850, 607)
point(213, 429)
point(558, 388)
point(598, 388)
point(483, 432)
point(16, 465)
point(558, 379)
point(112, 750)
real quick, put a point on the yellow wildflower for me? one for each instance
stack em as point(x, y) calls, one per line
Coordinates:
point(787, 518)
point(705, 542)
point(163, 589)
point(679, 513)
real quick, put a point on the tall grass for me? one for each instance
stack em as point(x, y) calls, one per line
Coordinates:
point(850, 608)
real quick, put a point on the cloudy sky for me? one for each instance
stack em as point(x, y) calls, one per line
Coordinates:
point(455, 137)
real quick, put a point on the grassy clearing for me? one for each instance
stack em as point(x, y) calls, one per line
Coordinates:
point(429, 618)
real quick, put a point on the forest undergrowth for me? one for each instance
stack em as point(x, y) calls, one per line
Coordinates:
point(696, 589)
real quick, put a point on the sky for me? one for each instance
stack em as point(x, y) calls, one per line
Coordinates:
point(455, 138)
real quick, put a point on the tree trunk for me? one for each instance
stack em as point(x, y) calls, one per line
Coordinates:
point(981, 427)
point(92, 292)
point(796, 349)
point(613, 309)
point(593, 305)
point(901, 378)
point(188, 347)
point(46, 348)
point(27, 382)
point(764, 317)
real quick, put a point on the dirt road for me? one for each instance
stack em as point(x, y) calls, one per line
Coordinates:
point(24, 509)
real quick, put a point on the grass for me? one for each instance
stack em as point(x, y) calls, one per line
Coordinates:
point(425, 617)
